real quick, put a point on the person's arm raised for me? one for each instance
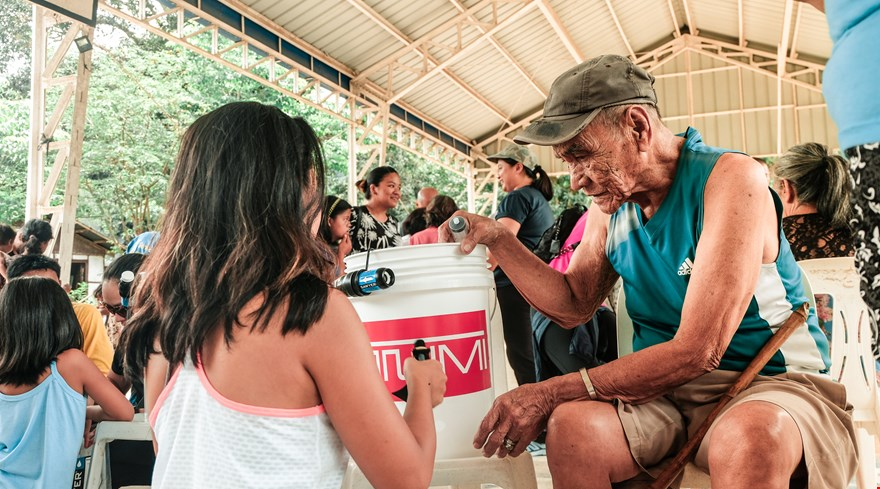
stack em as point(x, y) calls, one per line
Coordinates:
point(79, 371)
point(568, 299)
point(739, 234)
point(392, 451)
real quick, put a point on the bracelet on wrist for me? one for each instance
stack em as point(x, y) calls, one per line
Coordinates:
point(591, 391)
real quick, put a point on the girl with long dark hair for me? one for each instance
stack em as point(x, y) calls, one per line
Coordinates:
point(266, 357)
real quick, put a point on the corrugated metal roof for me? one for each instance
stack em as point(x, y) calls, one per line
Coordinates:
point(498, 58)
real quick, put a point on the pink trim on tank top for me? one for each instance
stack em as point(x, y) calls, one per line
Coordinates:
point(255, 410)
point(162, 396)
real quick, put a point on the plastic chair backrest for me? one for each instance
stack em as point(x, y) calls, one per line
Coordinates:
point(108, 431)
point(852, 362)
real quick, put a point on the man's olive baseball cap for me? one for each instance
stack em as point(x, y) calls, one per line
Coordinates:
point(577, 96)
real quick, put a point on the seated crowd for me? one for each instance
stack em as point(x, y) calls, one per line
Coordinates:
point(225, 325)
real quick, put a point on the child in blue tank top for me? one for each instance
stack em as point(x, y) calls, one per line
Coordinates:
point(44, 381)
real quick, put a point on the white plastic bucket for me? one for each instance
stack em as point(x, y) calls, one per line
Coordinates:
point(445, 298)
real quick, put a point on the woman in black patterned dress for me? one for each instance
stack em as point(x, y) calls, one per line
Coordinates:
point(372, 227)
point(815, 190)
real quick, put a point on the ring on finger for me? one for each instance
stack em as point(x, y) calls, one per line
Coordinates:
point(509, 444)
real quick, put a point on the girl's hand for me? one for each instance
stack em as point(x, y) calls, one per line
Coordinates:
point(345, 246)
point(425, 373)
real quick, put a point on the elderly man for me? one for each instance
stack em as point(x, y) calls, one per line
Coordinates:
point(424, 197)
point(695, 234)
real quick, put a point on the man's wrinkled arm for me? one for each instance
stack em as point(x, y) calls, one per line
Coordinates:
point(738, 214)
point(571, 298)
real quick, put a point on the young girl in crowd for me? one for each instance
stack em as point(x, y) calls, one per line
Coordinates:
point(44, 381)
point(273, 377)
point(334, 229)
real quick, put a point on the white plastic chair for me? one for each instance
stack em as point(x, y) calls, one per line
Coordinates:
point(852, 362)
point(470, 473)
point(107, 431)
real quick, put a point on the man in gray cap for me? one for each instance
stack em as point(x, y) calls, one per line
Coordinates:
point(694, 232)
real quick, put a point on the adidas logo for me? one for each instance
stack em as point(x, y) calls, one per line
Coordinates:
point(686, 267)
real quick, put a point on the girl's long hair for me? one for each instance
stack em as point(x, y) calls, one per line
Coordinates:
point(246, 188)
point(37, 323)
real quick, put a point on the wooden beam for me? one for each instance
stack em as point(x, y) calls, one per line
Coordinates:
point(677, 32)
point(781, 57)
point(731, 53)
point(460, 53)
point(441, 29)
point(690, 87)
point(504, 52)
point(766, 108)
point(561, 31)
point(632, 54)
point(703, 71)
point(796, 34)
point(692, 28)
point(374, 16)
point(739, 11)
point(38, 106)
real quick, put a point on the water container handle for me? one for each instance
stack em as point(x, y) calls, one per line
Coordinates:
point(493, 299)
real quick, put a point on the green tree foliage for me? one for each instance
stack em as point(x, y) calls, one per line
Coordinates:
point(14, 137)
point(15, 50)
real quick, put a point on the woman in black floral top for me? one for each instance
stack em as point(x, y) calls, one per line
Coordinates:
point(372, 227)
point(815, 190)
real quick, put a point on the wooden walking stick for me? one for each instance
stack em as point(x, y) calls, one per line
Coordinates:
point(797, 318)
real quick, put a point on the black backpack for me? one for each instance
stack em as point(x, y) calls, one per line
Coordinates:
point(554, 237)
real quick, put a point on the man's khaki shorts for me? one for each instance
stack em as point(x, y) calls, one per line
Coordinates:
point(658, 429)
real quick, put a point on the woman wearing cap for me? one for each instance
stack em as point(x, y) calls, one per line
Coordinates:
point(372, 227)
point(815, 190)
point(526, 213)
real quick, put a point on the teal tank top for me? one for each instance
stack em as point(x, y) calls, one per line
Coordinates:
point(655, 260)
point(40, 434)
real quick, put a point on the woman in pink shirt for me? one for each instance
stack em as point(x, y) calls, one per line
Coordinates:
point(440, 209)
